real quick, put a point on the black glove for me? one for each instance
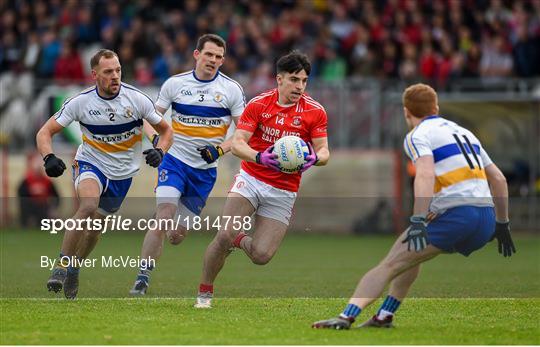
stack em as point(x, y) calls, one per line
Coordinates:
point(155, 140)
point(502, 234)
point(54, 166)
point(154, 156)
point(417, 234)
point(210, 153)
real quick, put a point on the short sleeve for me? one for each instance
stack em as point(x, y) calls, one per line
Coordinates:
point(165, 97)
point(238, 99)
point(148, 111)
point(416, 145)
point(486, 160)
point(250, 118)
point(69, 112)
point(320, 126)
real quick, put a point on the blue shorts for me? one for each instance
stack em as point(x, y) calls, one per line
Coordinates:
point(113, 192)
point(191, 186)
point(462, 229)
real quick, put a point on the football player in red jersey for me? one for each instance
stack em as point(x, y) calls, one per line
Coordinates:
point(260, 187)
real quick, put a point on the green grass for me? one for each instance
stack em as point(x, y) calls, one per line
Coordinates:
point(483, 299)
point(262, 321)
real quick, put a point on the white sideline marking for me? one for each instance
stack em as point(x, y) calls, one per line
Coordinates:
point(225, 298)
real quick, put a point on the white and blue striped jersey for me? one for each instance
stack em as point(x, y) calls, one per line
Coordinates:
point(201, 113)
point(460, 161)
point(111, 128)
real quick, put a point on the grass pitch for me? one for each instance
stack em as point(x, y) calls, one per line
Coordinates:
point(485, 299)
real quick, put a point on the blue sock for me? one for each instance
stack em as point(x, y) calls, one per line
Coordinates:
point(144, 273)
point(389, 307)
point(73, 270)
point(351, 311)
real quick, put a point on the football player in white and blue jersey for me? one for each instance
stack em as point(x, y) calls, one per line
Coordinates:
point(110, 115)
point(204, 102)
point(461, 203)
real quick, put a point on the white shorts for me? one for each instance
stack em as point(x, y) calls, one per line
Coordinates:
point(171, 195)
point(268, 201)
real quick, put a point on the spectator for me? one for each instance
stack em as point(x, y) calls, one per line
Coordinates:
point(143, 73)
point(360, 32)
point(128, 62)
point(526, 53)
point(85, 30)
point(408, 68)
point(68, 66)
point(389, 62)
point(496, 62)
point(334, 67)
point(472, 64)
point(49, 53)
point(428, 64)
point(167, 63)
point(38, 197)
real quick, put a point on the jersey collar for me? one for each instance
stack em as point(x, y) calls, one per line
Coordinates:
point(205, 81)
point(431, 117)
point(112, 97)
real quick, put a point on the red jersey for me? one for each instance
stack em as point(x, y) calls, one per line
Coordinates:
point(268, 121)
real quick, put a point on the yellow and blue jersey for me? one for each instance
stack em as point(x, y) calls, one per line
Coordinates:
point(202, 111)
point(111, 128)
point(460, 161)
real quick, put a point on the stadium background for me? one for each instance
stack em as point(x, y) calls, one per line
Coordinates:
point(481, 56)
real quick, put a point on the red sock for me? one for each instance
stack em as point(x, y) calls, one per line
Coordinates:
point(206, 288)
point(239, 237)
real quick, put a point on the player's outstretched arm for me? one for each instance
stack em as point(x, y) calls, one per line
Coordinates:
point(499, 191)
point(150, 133)
point(226, 146)
point(53, 166)
point(165, 135)
point(154, 156)
point(320, 145)
point(240, 147)
point(424, 181)
point(149, 130)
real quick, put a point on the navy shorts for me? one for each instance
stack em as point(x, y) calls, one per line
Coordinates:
point(113, 192)
point(192, 186)
point(462, 229)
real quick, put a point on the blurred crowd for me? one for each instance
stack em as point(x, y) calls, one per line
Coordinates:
point(435, 41)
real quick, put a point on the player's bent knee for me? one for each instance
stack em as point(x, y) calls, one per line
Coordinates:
point(261, 257)
point(176, 237)
point(87, 208)
point(166, 211)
